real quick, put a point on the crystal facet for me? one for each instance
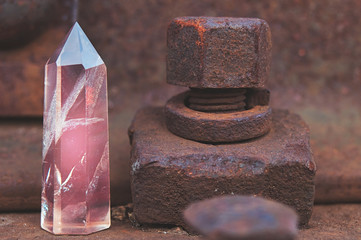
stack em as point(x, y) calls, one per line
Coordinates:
point(76, 192)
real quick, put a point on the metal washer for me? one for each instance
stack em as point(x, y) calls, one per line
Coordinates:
point(216, 127)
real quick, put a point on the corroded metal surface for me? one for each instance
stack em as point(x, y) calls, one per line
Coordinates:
point(257, 96)
point(29, 33)
point(216, 99)
point(336, 222)
point(22, 75)
point(21, 20)
point(26, 226)
point(242, 218)
point(169, 172)
point(206, 52)
point(20, 161)
point(216, 127)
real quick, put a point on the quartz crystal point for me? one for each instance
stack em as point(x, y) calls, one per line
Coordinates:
point(76, 192)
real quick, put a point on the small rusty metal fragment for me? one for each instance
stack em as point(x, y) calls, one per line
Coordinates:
point(241, 218)
point(122, 213)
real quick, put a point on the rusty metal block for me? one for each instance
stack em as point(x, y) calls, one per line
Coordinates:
point(169, 172)
point(206, 52)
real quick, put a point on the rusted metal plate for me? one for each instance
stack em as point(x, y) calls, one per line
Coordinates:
point(336, 222)
point(20, 161)
point(29, 33)
point(22, 21)
point(22, 75)
point(27, 226)
point(169, 172)
point(336, 141)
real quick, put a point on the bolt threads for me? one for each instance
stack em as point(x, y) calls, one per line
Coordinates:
point(216, 100)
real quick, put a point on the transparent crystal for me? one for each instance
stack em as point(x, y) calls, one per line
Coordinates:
point(76, 192)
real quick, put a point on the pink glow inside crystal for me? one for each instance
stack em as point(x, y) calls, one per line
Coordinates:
point(76, 192)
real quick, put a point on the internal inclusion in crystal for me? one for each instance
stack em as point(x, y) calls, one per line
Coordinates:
point(75, 192)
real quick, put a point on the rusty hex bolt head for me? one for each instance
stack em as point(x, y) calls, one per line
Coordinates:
point(217, 52)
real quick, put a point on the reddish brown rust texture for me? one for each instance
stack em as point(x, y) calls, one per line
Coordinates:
point(216, 127)
point(216, 100)
point(21, 20)
point(169, 172)
point(336, 222)
point(19, 96)
point(197, 24)
point(241, 218)
point(20, 161)
point(21, 59)
point(210, 52)
point(257, 96)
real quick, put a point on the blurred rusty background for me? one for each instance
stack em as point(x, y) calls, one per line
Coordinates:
point(316, 72)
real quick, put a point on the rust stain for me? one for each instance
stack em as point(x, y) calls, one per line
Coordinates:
point(197, 24)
